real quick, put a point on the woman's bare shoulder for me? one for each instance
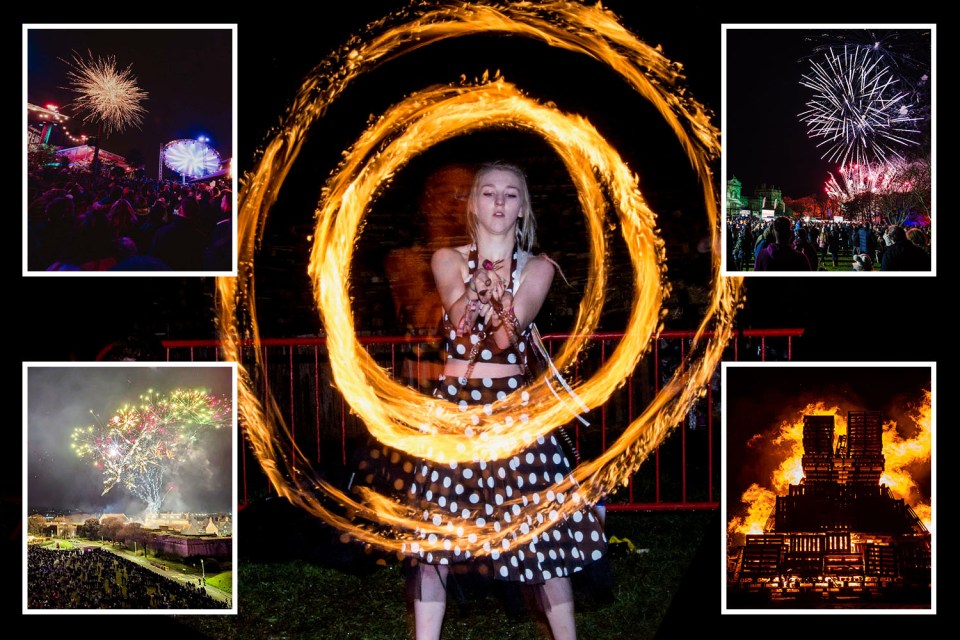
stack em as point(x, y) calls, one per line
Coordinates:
point(448, 255)
point(541, 263)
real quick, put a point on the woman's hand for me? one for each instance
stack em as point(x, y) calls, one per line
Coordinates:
point(483, 285)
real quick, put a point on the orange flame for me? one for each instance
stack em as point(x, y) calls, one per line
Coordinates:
point(397, 415)
point(786, 452)
point(901, 453)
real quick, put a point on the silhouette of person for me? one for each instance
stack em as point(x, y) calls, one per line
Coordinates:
point(442, 209)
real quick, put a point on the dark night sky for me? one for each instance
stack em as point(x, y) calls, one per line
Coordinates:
point(186, 72)
point(764, 139)
point(60, 398)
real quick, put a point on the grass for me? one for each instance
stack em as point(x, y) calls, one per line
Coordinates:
point(844, 263)
point(59, 545)
point(222, 581)
point(302, 599)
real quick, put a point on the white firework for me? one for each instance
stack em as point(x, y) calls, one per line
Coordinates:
point(857, 109)
point(106, 94)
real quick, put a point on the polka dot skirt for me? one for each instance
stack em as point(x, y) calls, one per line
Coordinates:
point(513, 495)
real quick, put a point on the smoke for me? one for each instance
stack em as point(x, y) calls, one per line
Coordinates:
point(63, 397)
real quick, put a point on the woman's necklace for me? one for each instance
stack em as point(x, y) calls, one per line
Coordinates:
point(492, 266)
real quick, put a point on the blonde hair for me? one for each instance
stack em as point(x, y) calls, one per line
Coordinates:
point(526, 225)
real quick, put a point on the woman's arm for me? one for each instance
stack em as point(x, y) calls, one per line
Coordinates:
point(449, 268)
point(531, 290)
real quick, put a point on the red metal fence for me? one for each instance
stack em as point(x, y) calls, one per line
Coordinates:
point(683, 473)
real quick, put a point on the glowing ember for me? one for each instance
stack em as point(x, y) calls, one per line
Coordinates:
point(398, 415)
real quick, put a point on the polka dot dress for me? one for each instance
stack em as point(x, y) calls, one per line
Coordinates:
point(508, 497)
point(512, 495)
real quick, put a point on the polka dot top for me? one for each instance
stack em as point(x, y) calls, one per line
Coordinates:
point(460, 347)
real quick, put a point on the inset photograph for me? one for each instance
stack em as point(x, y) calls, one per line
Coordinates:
point(129, 138)
point(828, 149)
point(129, 488)
point(828, 472)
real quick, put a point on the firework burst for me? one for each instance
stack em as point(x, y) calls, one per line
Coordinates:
point(106, 94)
point(906, 52)
point(855, 180)
point(858, 110)
point(141, 444)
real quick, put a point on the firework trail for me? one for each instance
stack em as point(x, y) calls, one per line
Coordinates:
point(105, 94)
point(907, 53)
point(856, 180)
point(857, 110)
point(140, 445)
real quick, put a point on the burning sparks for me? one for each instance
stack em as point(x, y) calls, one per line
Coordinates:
point(857, 180)
point(857, 109)
point(140, 444)
point(398, 415)
point(106, 94)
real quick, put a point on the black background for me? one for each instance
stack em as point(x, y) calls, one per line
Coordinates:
point(845, 319)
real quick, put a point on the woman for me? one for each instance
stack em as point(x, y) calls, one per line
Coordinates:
point(491, 291)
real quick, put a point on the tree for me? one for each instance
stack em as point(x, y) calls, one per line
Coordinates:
point(90, 528)
point(35, 523)
point(110, 527)
point(40, 155)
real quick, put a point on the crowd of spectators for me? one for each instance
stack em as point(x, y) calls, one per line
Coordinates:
point(94, 578)
point(76, 222)
point(867, 246)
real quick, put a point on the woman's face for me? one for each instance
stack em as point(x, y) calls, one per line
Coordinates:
point(499, 200)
